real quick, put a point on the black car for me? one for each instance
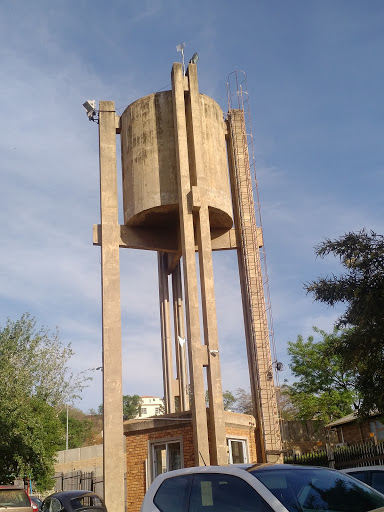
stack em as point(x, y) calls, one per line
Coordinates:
point(71, 501)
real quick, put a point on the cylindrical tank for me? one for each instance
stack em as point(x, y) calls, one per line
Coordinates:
point(150, 192)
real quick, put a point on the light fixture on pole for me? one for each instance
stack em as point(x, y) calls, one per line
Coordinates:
point(90, 108)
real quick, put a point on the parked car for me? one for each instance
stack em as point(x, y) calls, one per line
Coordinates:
point(36, 503)
point(15, 498)
point(70, 501)
point(261, 488)
point(371, 475)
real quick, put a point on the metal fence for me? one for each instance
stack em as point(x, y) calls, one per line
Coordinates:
point(87, 481)
point(358, 455)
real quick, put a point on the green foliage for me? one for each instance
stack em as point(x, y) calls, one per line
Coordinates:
point(228, 400)
point(288, 410)
point(34, 382)
point(131, 406)
point(325, 387)
point(361, 288)
point(81, 430)
point(243, 402)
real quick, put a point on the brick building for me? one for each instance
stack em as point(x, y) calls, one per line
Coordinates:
point(164, 443)
point(353, 430)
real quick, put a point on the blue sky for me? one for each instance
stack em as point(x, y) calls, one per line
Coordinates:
point(315, 82)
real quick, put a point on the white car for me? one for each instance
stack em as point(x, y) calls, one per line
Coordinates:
point(259, 488)
point(371, 475)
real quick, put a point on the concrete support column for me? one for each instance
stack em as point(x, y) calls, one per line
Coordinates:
point(166, 335)
point(113, 448)
point(203, 238)
point(180, 341)
point(197, 354)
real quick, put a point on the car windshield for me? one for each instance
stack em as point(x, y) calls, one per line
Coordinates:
point(13, 498)
point(317, 490)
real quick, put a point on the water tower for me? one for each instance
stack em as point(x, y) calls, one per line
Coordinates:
point(187, 190)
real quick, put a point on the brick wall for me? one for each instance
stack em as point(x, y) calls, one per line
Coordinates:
point(137, 455)
point(354, 432)
point(139, 434)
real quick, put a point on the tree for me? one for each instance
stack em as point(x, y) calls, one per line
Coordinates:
point(35, 380)
point(325, 388)
point(81, 430)
point(287, 410)
point(131, 406)
point(361, 289)
point(243, 401)
point(228, 400)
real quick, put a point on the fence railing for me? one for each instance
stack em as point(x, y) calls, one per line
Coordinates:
point(358, 455)
point(87, 481)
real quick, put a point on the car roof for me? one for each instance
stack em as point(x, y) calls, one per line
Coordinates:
point(363, 468)
point(74, 493)
point(235, 469)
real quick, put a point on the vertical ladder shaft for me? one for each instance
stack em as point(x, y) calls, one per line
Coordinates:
point(257, 333)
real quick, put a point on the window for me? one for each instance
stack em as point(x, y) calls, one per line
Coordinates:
point(143, 410)
point(214, 492)
point(157, 410)
point(237, 451)
point(377, 428)
point(378, 481)
point(173, 494)
point(166, 456)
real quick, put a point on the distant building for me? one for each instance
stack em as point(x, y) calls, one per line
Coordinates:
point(353, 430)
point(151, 406)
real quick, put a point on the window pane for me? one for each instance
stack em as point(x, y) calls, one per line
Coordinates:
point(237, 452)
point(212, 492)
point(174, 461)
point(14, 498)
point(378, 481)
point(320, 490)
point(160, 459)
point(173, 494)
point(360, 475)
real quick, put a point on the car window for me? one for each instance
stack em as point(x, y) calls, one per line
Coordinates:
point(378, 480)
point(14, 498)
point(45, 505)
point(214, 492)
point(86, 501)
point(173, 494)
point(320, 490)
point(363, 476)
point(55, 505)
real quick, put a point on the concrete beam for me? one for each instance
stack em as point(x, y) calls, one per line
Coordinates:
point(165, 241)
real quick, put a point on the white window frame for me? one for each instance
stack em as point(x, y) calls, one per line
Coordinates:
point(151, 453)
point(240, 439)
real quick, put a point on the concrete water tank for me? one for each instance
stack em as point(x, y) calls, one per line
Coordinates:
point(150, 193)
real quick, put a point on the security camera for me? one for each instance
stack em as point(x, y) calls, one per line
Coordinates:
point(90, 107)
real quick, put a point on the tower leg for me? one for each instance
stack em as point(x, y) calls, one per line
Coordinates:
point(180, 342)
point(166, 336)
point(113, 448)
point(208, 303)
point(197, 353)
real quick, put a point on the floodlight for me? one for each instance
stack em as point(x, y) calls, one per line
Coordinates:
point(180, 47)
point(194, 59)
point(90, 107)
